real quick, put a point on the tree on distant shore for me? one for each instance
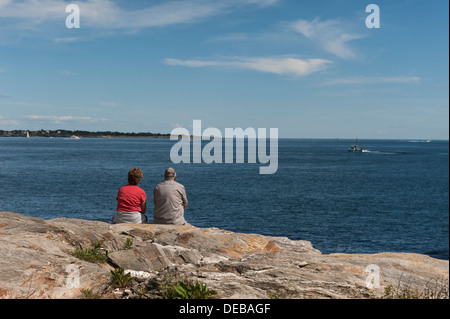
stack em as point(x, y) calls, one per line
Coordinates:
point(79, 133)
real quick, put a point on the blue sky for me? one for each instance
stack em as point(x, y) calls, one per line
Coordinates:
point(312, 69)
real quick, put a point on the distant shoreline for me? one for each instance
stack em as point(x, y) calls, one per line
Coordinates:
point(80, 134)
point(109, 134)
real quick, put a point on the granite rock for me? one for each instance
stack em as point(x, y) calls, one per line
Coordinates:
point(36, 262)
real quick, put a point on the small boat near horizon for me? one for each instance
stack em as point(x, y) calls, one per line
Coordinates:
point(355, 148)
point(74, 137)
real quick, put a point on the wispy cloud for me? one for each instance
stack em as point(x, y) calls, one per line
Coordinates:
point(68, 118)
point(68, 39)
point(193, 63)
point(372, 80)
point(331, 35)
point(33, 9)
point(108, 14)
point(275, 65)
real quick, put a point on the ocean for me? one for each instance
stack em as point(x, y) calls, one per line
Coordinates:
point(393, 198)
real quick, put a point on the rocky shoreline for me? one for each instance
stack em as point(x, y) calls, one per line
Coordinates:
point(38, 262)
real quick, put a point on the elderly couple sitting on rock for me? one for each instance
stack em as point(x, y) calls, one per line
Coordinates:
point(169, 198)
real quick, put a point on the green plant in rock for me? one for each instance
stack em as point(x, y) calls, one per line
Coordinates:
point(89, 294)
point(434, 289)
point(187, 290)
point(95, 254)
point(128, 244)
point(120, 279)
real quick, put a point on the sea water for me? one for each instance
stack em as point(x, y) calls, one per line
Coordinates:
point(392, 198)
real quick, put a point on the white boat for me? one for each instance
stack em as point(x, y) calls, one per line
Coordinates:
point(28, 134)
point(74, 137)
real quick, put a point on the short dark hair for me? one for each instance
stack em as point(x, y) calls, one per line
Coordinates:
point(134, 176)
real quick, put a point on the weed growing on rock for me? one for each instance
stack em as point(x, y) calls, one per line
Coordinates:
point(120, 279)
point(184, 289)
point(437, 289)
point(128, 244)
point(95, 254)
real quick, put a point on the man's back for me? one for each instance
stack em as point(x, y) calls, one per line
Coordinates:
point(170, 200)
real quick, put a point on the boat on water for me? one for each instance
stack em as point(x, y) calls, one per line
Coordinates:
point(74, 137)
point(355, 148)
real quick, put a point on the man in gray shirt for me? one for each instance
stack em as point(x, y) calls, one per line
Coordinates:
point(170, 201)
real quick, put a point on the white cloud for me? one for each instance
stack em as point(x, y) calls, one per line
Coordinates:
point(108, 14)
point(192, 63)
point(4, 3)
point(59, 119)
point(37, 9)
point(67, 40)
point(275, 65)
point(262, 3)
point(329, 34)
point(373, 80)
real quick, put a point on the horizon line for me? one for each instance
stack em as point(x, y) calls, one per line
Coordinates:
point(170, 135)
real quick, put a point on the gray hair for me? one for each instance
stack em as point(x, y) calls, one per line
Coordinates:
point(169, 174)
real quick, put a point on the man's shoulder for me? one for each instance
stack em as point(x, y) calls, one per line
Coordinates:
point(173, 184)
point(178, 185)
point(160, 184)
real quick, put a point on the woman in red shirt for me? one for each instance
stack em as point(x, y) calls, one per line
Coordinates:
point(131, 201)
